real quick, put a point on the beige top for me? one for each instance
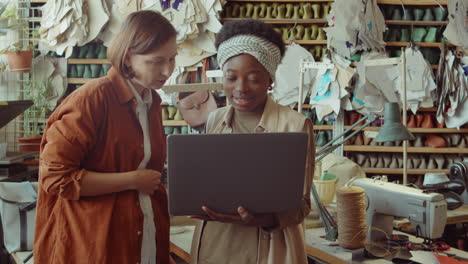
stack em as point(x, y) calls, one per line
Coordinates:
point(216, 242)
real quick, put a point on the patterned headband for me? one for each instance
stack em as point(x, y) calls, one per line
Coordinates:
point(267, 53)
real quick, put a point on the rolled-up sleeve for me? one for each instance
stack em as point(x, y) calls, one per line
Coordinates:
point(296, 217)
point(69, 136)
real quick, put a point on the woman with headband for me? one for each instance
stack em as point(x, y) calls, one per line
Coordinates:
point(249, 52)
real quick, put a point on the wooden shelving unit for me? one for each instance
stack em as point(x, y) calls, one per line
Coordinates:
point(416, 23)
point(174, 123)
point(421, 44)
point(283, 21)
point(79, 80)
point(410, 149)
point(88, 61)
point(384, 2)
point(307, 42)
point(422, 130)
point(400, 171)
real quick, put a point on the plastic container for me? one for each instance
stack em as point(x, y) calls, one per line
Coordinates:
point(325, 190)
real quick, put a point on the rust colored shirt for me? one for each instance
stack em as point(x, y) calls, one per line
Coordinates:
point(96, 129)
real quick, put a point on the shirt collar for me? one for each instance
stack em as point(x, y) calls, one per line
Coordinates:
point(268, 121)
point(123, 91)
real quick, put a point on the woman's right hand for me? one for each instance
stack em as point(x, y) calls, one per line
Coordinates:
point(146, 181)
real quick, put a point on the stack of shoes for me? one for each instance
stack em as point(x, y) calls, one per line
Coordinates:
point(277, 10)
point(394, 12)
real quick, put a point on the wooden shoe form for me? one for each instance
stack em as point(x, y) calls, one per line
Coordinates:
point(314, 33)
point(440, 161)
point(367, 140)
point(256, 11)
point(366, 163)
point(360, 159)
point(321, 34)
point(419, 119)
point(326, 10)
point(380, 162)
point(394, 163)
point(411, 121)
point(299, 32)
point(431, 164)
point(249, 9)
point(289, 10)
point(359, 140)
point(296, 14)
point(281, 12)
point(427, 122)
point(400, 160)
point(423, 164)
point(242, 10)
point(274, 11)
point(269, 12)
point(235, 10)
point(306, 34)
point(263, 10)
point(373, 160)
point(387, 158)
point(307, 10)
point(316, 9)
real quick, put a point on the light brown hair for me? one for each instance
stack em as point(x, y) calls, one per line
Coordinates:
point(141, 33)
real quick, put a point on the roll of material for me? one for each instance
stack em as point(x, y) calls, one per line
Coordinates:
point(459, 171)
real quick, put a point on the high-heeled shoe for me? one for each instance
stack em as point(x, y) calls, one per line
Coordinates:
point(296, 12)
point(306, 34)
point(172, 111)
point(411, 121)
point(242, 10)
point(281, 12)
point(373, 160)
point(274, 12)
point(427, 122)
point(360, 159)
point(431, 35)
point(428, 15)
point(359, 141)
point(321, 34)
point(404, 35)
point(235, 10)
point(164, 113)
point(440, 13)
point(299, 32)
point(418, 34)
point(418, 14)
point(256, 11)
point(307, 10)
point(249, 10)
point(269, 12)
point(419, 119)
point(314, 32)
point(316, 9)
point(263, 10)
point(289, 10)
point(326, 9)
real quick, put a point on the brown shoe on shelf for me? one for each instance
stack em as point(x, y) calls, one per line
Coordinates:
point(440, 161)
point(431, 163)
point(423, 164)
point(373, 160)
point(387, 158)
point(435, 141)
point(427, 122)
point(380, 162)
point(411, 121)
point(359, 140)
point(367, 140)
point(394, 163)
point(360, 159)
point(448, 140)
point(418, 143)
point(455, 139)
point(419, 119)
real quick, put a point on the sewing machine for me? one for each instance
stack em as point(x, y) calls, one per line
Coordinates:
point(427, 212)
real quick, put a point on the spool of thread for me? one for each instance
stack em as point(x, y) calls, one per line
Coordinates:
point(351, 213)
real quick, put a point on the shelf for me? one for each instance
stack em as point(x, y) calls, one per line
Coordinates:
point(400, 171)
point(323, 127)
point(39, 1)
point(384, 2)
point(421, 130)
point(289, 1)
point(410, 149)
point(421, 44)
point(88, 61)
point(79, 80)
point(174, 123)
point(282, 21)
point(416, 23)
point(307, 42)
point(411, 2)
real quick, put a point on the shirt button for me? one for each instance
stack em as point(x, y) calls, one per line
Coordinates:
point(139, 233)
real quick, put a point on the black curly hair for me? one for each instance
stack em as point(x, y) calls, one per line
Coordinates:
point(250, 27)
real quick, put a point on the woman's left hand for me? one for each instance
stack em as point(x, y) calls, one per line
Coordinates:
point(243, 217)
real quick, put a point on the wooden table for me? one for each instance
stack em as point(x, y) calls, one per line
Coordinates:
point(457, 216)
point(316, 247)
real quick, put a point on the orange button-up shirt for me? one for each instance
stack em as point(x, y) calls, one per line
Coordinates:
point(96, 129)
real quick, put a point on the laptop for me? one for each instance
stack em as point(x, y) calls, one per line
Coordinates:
point(263, 172)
